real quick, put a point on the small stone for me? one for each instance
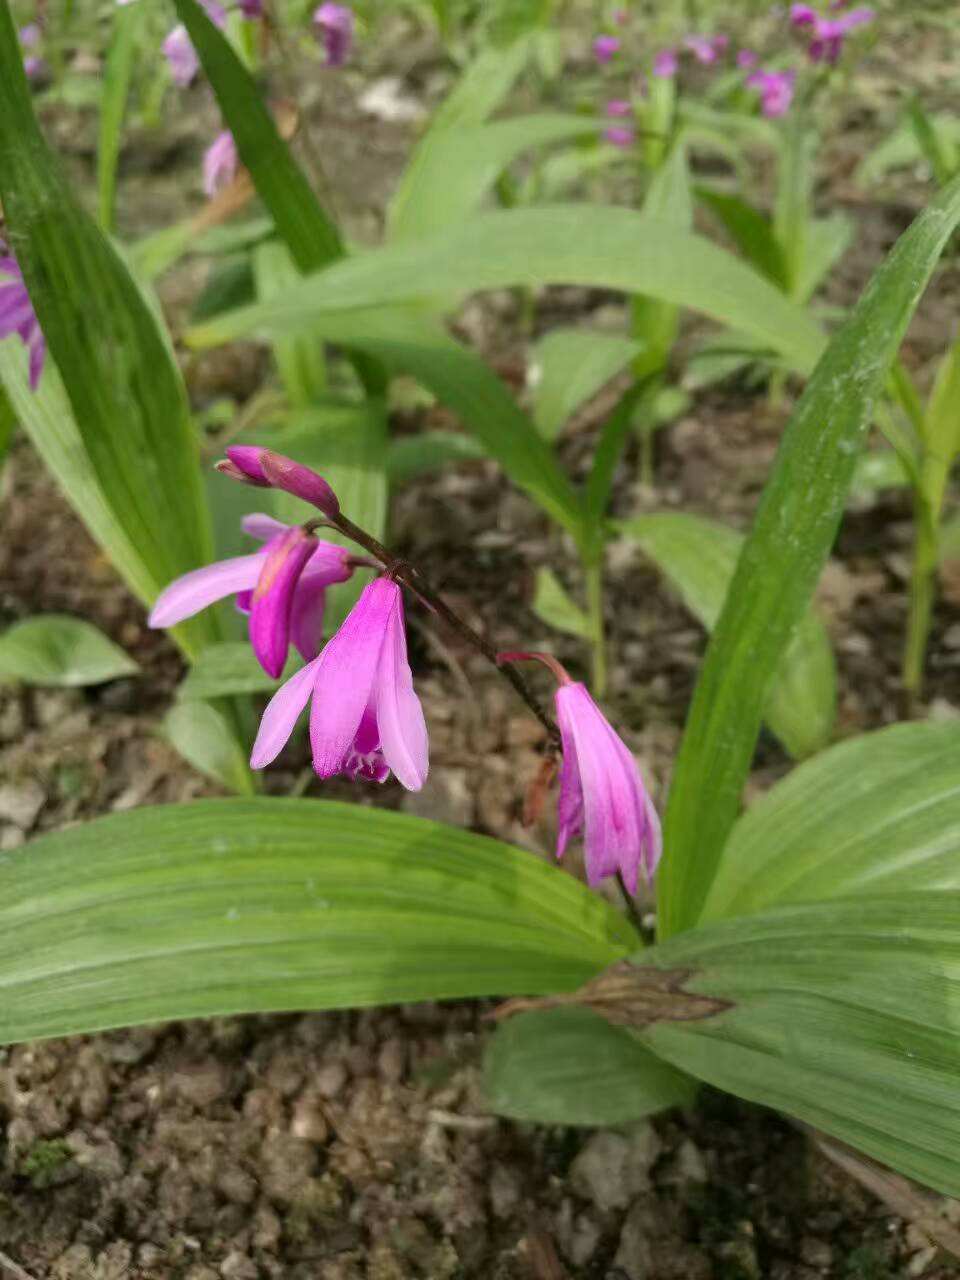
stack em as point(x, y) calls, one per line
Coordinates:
point(613, 1168)
point(21, 802)
point(201, 1084)
point(237, 1266)
point(504, 1191)
point(446, 797)
point(816, 1253)
point(392, 1060)
point(308, 1121)
point(584, 1239)
point(237, 1186)
point(689, 1165)
point(286, 1163)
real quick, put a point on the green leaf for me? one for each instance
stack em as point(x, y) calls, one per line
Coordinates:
point(938, 147)
point(226, 670)
point(412, 456)
point(569, 1066)
point(553, 606)
point(127, 396)
point(230, 284)
point(309, 233)
point(57, 649)
point(781, 562)
point(826, 240)
point(842, 1014)
point(877, 469)
point(205, 739)
point(460, 165)
point(941, 426)
point(242, 906)
point(901, 149)
point(591, 245)
point(876, 814)
point(118, 73)
point(569, 367)
point(750, 231)
point(698, 557)
point(299, 356)
point(667, 205)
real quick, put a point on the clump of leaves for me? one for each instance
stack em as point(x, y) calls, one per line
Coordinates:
point(43, 1160)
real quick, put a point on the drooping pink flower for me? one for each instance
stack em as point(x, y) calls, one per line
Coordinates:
point(828, 34)
point(178, 48)
point(802, 15)
point(33, 64)
point(282, 587)
point(776, 90)
point(618, 107)
point(605, 46)
point(334, 24)
point(220, 161)
point(365, 719)
point(264, 468)
point(746, 59)
point(602, 796)
point(30, 35)
point(706, 49)
point(665, 64)
point(619, 135)
point(17, 315)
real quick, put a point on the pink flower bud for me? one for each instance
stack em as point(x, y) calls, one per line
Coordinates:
point(294, 477)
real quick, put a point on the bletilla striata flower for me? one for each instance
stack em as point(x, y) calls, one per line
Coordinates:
point(365, 718)
point(827, 35)
point(178, 48)
point(334, 24)
point(281, 587)
point(776, 90)
point(619, 135)
point(220, 161)
point(706, 49)
point(604, 47)
point(602, 796)
point(665, 64)
point(17, 315)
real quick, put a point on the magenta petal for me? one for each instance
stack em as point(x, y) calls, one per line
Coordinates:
point(570, 803)
point(281, 714)
point(273, 598)
point(194, 591)
point(403, 730)
point(262, 527)
point(306, 616)
point(345, 677)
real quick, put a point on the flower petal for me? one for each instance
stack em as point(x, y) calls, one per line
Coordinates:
point(194, 591)
point(570, 803)
point(306, 616)
point(403, 730)
point(273, 598)
point(281, 715)
point(345, 677)
point(262, 527)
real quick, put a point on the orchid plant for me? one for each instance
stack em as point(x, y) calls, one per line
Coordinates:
point(806, 952)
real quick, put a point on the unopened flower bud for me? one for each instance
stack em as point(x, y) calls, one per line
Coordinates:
point(245, 458)
point(302, 482)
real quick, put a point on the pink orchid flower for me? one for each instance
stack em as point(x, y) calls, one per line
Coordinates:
point(665, 64)
point(365, 719)
point(618, 135)
point(602, 796)
point(263, 468)
point(251, 9)
point(17, 316)
point(220, 162)
point(604, 47)
point(746, 59)
point(706, 49)
point(828, 34)
point(618, 107)
point(334, 23)
point(282, 587)
point(776, 90)
point(178, 48)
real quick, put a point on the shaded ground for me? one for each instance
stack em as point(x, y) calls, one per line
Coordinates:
point(357, 1146)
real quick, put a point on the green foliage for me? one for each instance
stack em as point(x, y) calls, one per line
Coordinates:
point(225, 670)
point(55, 649)
point(203, 735)
point(254, 905)
point(118, 73)
point(553, 605)
point(570, 366)
point(781, 561)
point(43, 1161)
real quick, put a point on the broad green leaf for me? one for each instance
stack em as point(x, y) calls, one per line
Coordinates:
point(553, 605)
point(901, 149)
point(460, 166)
point(299, 356)
point(877, 814)
point(591, 245)
point(826, 240)
point(749, 229)
point(242, 906)
point(668, 204)
point(310, 235)
point(225, 670)
point(411, 456)
point(941, 427)
point(408, 341)
point(116, 363)
point(113, 101)
point(202, 735)
point(569, 1066)
point(781, 561)
point(844, 1014)
point(57, 649)
point(569, 367)
point(698, 557)
point(939, 149)
point(877, 469)
point(230, 284)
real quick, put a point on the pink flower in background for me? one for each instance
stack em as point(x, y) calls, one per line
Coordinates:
point(746, 59)
point(365, 719)
point(251, 8)
point(30, 35)
point(334, 23)
point(17, 316)
point(178, 48)
point(220, 161)
point(776, 90)
point(33, 64)
point(665, 64)
point(706, 49)
point(619, 135)
point(282, 587)
point(602, 796)
point(618, 107)
point(802, 15)
point(828, 34)
point(604, 47)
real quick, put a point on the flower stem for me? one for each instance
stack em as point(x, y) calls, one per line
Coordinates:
point(593, 574)
point(413, 579)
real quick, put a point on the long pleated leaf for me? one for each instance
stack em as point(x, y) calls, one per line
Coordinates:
point(844, 1014)
point(781, 561)
point(128, 399)
point(238, 906)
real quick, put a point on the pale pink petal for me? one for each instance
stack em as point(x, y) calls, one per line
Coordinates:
point(403, 730)
point(570, 803)
point(262, 527)
point(306, 616)
point(195, 591)
point(281, 715)
point(345, 676)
